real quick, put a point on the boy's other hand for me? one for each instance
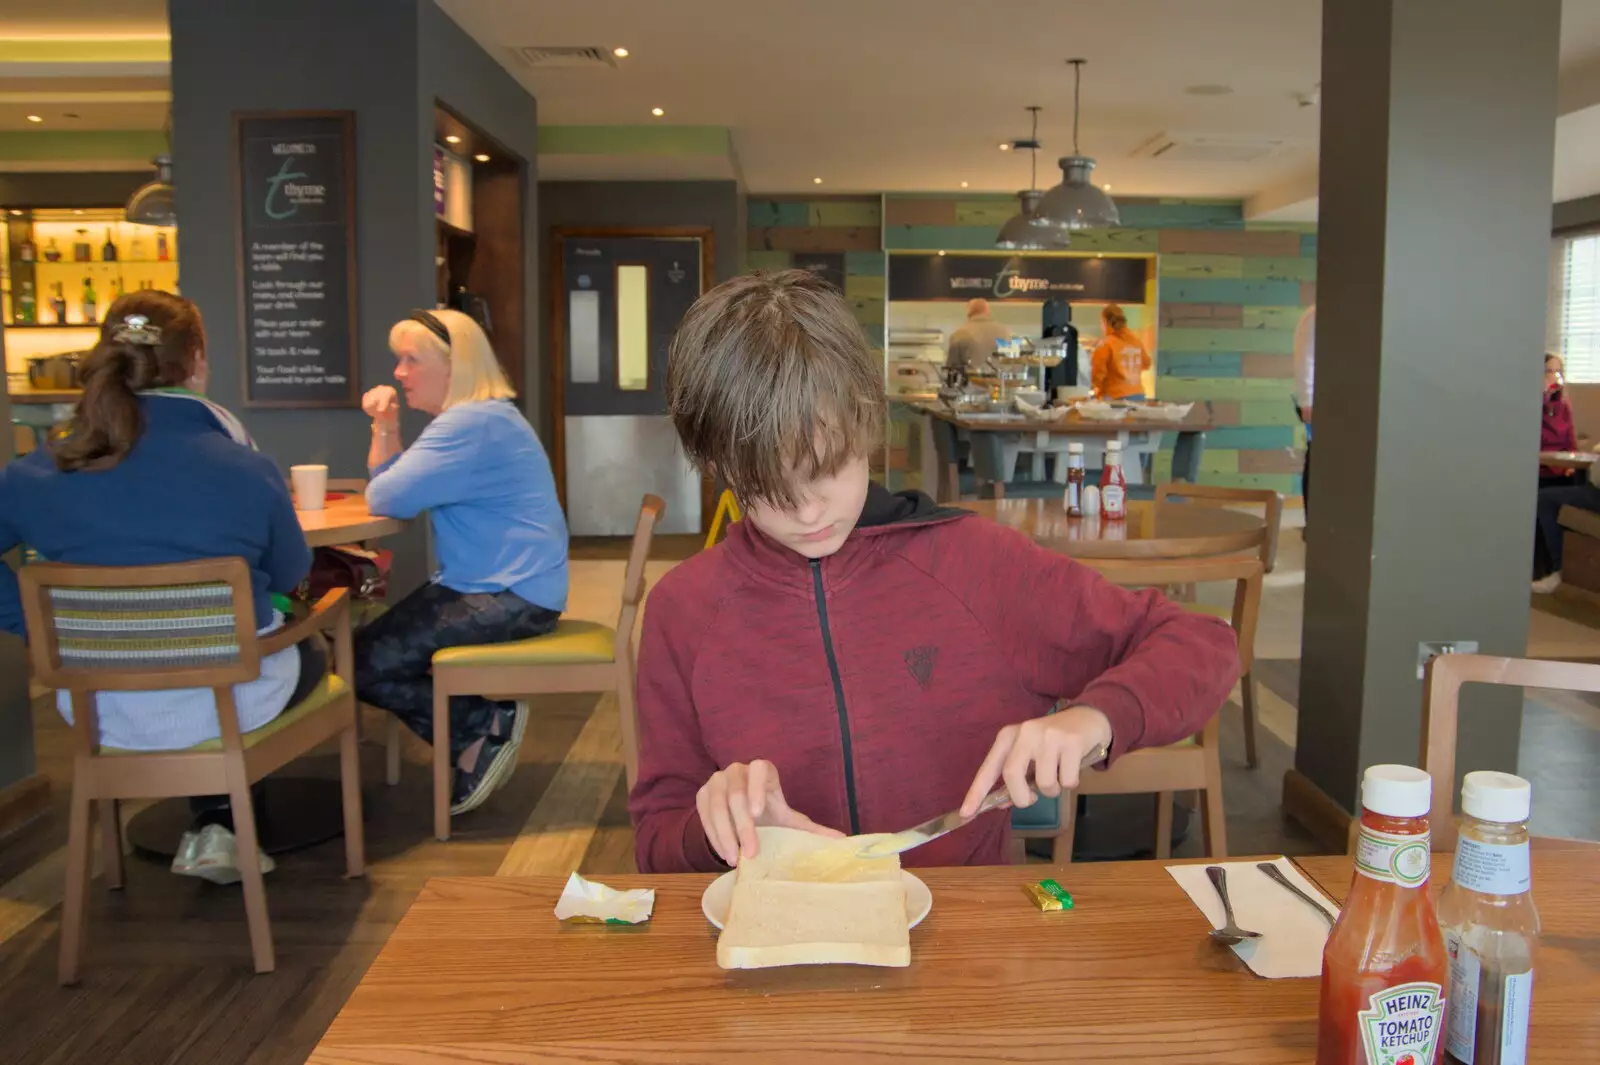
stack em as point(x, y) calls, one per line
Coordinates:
point(1052, 747)
point(737, 799)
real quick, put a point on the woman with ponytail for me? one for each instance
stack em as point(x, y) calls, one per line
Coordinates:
point(148, 471)
point(1120, 360)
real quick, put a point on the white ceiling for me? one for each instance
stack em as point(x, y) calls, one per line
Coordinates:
point(915, 95)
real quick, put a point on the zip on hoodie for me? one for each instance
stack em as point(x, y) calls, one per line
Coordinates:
point(838, 697)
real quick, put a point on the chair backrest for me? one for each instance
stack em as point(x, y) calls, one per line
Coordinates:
point(727, 512)
point(1209, 495)
point(140, 628)
point(1441, 697)
point(650, 511)
point(1242, 570)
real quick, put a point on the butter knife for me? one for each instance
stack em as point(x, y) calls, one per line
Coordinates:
point(917, 835)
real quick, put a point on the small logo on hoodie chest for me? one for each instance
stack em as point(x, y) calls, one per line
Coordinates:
point(920, 660)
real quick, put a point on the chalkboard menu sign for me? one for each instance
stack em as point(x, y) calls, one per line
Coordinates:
point(1023, 278)
point(295, 181)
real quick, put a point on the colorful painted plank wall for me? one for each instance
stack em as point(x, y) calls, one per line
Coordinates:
point(1229, 294)
point(779, 229)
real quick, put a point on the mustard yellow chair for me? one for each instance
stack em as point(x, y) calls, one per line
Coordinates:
point(579, 656)
point(727, 510)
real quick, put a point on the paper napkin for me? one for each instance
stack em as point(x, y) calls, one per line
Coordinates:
point(1292, 935)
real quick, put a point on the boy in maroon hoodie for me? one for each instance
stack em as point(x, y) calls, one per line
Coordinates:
point(853, 661)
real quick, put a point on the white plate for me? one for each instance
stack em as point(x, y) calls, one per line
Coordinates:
point(719, 895)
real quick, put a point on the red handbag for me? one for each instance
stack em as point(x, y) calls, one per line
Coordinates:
point(362, 570)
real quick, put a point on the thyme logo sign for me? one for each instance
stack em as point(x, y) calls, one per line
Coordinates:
point(296, 196)
point(1016, 278)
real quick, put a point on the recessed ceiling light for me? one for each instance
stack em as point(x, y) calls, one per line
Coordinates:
point(816, 181)
point(1107, 186)
point(1006, 146)
point(481, 157)
point(78, 210)
point(657, 112)
point(1209, 90)
point(35, 118)
point(941, 253)
point(452, 139)
point(15, 211)
point(963, 184)
point(620, 53)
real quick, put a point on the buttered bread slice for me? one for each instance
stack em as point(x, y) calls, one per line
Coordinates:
point(808, 900)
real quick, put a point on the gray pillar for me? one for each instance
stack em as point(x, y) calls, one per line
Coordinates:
point(16, 718)
point(390, 63)
point(1438, 131)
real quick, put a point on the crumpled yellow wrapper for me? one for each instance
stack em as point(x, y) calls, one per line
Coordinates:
point(587, 902)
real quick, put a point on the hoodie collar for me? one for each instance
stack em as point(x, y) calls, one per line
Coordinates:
point(884, 515)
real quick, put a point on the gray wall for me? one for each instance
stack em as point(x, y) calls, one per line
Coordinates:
point(16, 720)
point(387, 63)
point(717, 204)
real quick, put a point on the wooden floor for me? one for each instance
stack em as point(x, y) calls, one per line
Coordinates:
point(167, 969)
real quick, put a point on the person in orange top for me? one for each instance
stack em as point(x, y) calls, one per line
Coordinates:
point(1120, 358)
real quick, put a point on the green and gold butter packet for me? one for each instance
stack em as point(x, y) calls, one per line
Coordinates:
point(1048, 895)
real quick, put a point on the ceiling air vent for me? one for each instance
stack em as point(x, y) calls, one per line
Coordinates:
point(1208, 148)
point(538, 57)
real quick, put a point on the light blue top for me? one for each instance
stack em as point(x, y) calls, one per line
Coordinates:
point(482, 475)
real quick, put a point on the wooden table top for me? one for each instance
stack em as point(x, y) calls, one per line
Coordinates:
point(1567, 460)
point(345, 520)
point(1151, 530)
point(1074, 424)
point(479, 970)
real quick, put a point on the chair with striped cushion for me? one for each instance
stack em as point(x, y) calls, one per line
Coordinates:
point(187, 625)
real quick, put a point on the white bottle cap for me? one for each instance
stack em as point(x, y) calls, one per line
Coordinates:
point(1113, 445)
point(1074, 448)
point(1499, 797)
point(1396, 791)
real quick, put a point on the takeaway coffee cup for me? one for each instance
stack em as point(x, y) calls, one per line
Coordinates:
point(310, 486)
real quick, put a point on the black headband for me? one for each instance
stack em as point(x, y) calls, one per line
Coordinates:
point(433, 325)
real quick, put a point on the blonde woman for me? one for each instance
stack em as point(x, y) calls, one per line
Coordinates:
point(498, 531)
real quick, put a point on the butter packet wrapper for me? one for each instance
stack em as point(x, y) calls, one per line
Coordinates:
point(587, 902)
point(1048, 895)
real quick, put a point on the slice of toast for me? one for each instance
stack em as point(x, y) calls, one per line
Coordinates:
point(808, 900)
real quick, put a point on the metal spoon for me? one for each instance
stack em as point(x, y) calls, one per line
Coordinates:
point(1277, 874)
point(1230, 933)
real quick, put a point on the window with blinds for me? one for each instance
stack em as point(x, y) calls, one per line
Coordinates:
point(1580, 309)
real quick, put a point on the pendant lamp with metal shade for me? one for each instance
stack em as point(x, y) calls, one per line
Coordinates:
point(1019, 233)
point(1076, 203)
point(151, 203)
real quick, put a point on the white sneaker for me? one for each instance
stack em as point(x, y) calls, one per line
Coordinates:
point(1547, 585)
point(216, 857)
point(188, 853)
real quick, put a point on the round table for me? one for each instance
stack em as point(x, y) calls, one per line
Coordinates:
point(1151, 530)
point(1567, 460)
point(1122, 827)
point(291, 812)
point(345, 519)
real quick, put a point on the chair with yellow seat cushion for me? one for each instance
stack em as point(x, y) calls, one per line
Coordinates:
point(579, 656)
point(1190, 764)
point(188, 625)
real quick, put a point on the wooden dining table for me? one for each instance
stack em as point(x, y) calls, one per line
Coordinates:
point(1568, 460)
point(345, 519)
point(480, 971)
point(1151, 530)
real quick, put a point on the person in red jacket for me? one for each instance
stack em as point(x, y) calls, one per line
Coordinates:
point(851, 661)
point(1556, 429)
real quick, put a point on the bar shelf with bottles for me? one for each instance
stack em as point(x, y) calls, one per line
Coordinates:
point(62, 268)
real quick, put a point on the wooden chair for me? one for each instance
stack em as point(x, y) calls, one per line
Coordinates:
point(1191, 764)
point(579, 656)
point(188, 625)
point(1272, 504)
point(1441, 699)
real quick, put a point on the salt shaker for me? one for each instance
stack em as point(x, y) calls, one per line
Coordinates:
point(1091, 499)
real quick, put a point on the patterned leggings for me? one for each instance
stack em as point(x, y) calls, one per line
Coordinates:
point(394, 654)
